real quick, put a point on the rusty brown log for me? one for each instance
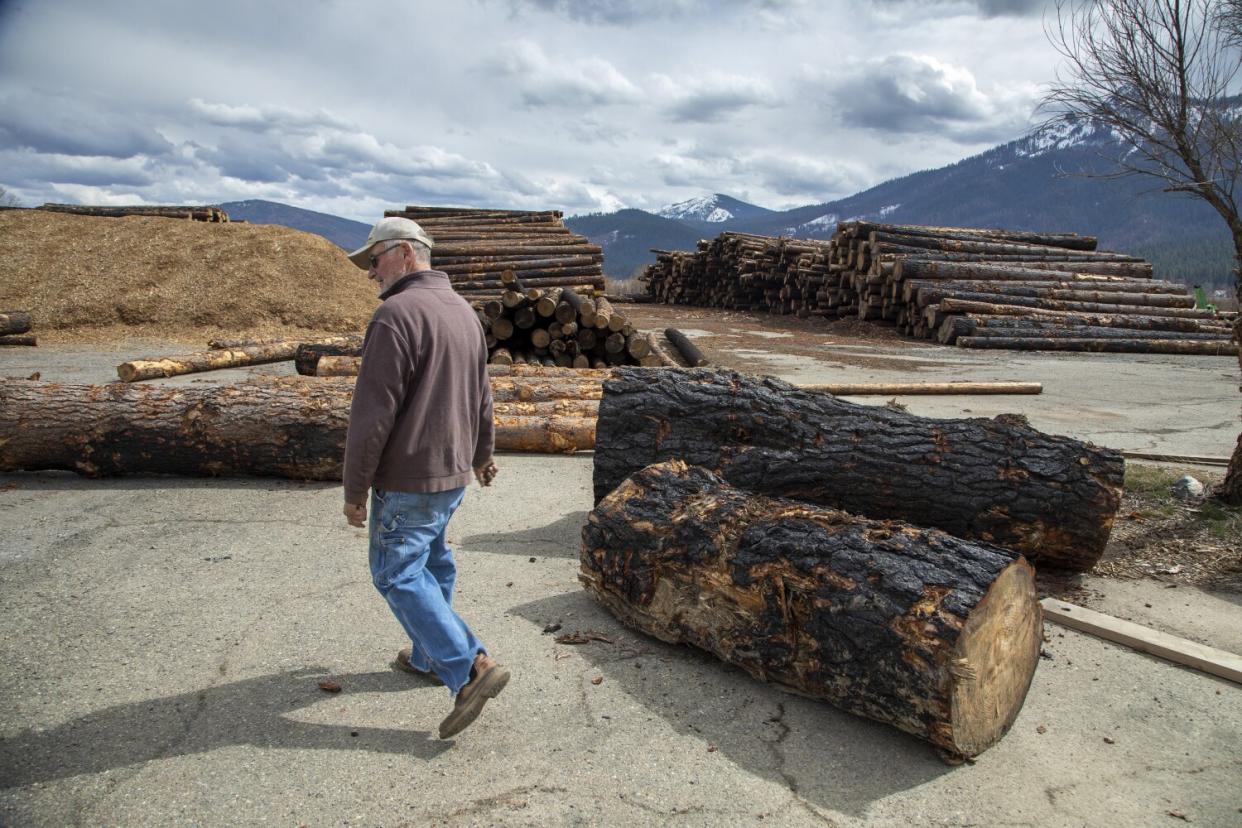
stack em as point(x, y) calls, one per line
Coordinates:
point(143, 369)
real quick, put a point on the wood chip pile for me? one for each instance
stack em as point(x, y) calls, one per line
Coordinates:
point(474, 247)
point(974, 287)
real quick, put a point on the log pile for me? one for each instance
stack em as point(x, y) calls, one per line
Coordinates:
point(15, 328)
point(997, 480)
point(474, 247)
point(974, 287)
point(193, 212)
point(932, 634)
point(557, 326)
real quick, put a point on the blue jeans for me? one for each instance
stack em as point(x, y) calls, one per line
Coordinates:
point(412, 567)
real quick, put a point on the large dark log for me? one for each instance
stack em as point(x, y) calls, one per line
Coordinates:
point(932, 634)
point(19, 339)
point(14, 322)
point(998, 480)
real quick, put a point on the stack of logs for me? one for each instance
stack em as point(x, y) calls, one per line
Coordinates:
point(977, 288)
point(195, 213)
point(15, 328)
point(474, 247)
point(558, 326)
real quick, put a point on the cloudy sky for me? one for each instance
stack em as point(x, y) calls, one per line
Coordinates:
point(355, 106)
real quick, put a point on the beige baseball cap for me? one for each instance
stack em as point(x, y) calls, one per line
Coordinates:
point(390, 228)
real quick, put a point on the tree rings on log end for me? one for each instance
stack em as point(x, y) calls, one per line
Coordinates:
point(995, 659)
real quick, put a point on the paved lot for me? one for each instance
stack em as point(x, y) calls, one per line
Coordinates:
point(164, 639)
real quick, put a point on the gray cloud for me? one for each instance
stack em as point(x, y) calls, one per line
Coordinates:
point(984, 8)
point(62, 125)
point(711, 99)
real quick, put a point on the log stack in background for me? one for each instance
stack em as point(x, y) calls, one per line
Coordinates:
point(974, 287)
point(475, 246)
point(557, 326)
point(194, 212)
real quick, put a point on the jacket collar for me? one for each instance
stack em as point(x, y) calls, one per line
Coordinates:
point(410, 278)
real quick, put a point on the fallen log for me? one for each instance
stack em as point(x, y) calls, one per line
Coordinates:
point(307, 354)
point(997, 480)
point(1200, 347)
point(690, 352)
point(1119, 313)
point(906, 389)
point(14, 322)
point(144, 369)
point(929, 633)
point(281, 427)
point(19, 339)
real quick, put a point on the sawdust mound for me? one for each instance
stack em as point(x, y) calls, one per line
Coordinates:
point(85, 277)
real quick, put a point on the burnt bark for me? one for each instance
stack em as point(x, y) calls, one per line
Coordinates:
point(998, 480)
point(932, 634)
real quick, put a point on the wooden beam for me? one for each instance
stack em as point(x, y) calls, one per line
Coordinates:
point(1144, 639)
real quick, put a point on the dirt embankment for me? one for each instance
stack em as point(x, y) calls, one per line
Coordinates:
point(103, 279)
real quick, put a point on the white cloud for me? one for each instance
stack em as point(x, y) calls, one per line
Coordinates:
point(588, 81)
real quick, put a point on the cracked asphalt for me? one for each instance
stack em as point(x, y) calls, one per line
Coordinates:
point(164, 640)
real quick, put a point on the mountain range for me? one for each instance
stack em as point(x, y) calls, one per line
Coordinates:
point(1042, 181)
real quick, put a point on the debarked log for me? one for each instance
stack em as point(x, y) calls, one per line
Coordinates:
point(280, 427)
point(998, 480)
point(144, 369)
point(929, 633)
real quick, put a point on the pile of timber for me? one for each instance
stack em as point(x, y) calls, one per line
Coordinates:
point(291, 427)
point(932, 634)
point(474, 247)
point(973, 287)
point(15, 328)
point(997, 480)
point(557, 326)
point(740, 271)
point(193, 212)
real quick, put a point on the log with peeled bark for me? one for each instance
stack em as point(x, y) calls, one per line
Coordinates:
point(279, 427)
point(998, 480)
point(1113, 346)
point(929, 293)
point(544, 389)
point(144, 369)
point(338, 366)
point(14, 322)
point(1116, 313)
point(19, 339)
point(913, 268)
point(548, 408)
point(934, 635)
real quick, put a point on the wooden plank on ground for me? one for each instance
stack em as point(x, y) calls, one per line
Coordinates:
point(1144, 639)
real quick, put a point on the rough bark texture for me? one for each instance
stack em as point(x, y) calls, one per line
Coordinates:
point(282, 427)
point(14, 322)
point(306, 355)
point(998, 480)
point(932, 634)
point(19, 339)
point(1229, 491)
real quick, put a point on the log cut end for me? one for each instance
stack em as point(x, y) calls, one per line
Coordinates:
point(995, 660)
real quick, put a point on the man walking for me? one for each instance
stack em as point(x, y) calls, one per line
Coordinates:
point(420, 423)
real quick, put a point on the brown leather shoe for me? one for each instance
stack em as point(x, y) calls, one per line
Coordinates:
point(489, 679)
point(403, 663)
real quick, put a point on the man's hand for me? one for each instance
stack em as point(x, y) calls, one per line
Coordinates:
point(356, 514)
point(486, 474)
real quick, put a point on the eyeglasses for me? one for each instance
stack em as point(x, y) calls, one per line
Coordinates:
point(374, 260)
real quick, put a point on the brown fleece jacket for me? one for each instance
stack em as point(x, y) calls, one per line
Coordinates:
point(421, 418)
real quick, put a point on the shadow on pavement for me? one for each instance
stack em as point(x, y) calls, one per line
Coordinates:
point(56, 481)
point(248, 712)
point(561, 539)
point(828, 757)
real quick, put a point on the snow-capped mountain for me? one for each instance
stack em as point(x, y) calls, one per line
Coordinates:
point(713, 209)
point(1037, 182)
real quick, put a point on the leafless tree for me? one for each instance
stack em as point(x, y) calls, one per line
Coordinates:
point(1162, 76)
point(7, 199)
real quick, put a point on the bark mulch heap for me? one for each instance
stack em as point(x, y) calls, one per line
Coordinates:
point(84, 278)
